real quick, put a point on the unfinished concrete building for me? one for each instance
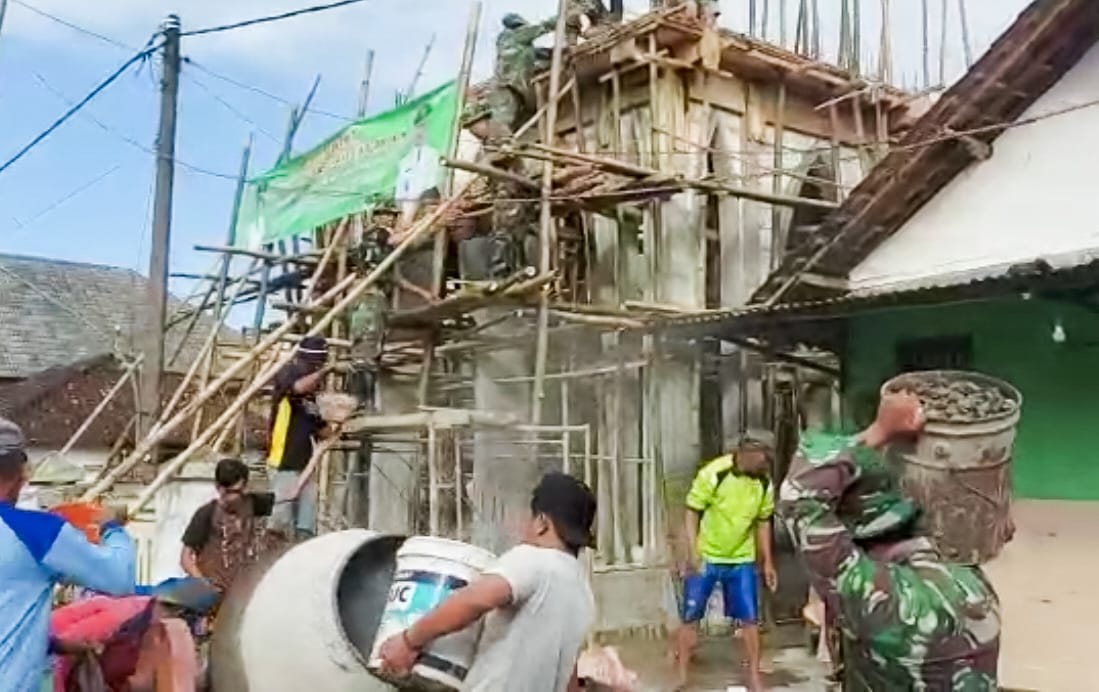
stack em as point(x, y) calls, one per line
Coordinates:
point(685, 162)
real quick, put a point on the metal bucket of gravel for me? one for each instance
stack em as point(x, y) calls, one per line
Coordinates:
point(959, 468)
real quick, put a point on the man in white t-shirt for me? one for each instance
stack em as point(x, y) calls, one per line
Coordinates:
point(535, 599)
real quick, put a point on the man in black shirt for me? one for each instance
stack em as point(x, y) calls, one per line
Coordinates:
point(225, 535)
point(295, 423)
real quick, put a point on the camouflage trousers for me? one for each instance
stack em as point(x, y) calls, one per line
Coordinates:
point(506, 104)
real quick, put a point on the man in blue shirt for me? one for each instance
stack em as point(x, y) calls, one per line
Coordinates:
point(37, 551)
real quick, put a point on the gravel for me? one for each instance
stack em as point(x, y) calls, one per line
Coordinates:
point(956, 398)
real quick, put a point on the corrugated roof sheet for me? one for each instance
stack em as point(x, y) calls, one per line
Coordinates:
point(1017, 280)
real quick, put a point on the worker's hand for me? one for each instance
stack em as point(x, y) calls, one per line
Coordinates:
point(770, 577)
point(899, 414)
point(691, 566)
point(112, 514)
point(397, 655)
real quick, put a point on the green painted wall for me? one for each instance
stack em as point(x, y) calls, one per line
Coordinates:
point(1057, 449)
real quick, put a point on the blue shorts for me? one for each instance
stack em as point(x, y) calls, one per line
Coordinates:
point(739, 590)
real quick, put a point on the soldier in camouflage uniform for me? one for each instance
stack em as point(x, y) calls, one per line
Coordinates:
point(907, 620)
point(594, 10)
point(514, 223)
point(515, 59)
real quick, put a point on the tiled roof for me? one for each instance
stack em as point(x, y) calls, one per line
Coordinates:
point(56, 313)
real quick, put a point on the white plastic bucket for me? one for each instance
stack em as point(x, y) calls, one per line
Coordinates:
point(428, 570)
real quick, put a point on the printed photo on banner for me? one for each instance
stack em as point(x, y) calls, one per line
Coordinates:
point(390, 158)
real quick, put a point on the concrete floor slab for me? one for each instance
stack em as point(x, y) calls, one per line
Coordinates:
point(1047, 585)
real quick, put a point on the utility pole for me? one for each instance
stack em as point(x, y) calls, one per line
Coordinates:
point(156, 299)
point(3, 11)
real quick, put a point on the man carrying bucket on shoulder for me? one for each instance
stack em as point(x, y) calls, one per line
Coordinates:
point(536, 601)
point(907, 619)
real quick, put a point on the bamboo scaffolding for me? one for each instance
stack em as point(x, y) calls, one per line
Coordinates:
point(354, 289)
point(548, 229)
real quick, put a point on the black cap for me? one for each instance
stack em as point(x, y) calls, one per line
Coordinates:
point(314, 349)
point(569, 504)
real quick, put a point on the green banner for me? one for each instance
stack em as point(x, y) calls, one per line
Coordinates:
point(393, 156)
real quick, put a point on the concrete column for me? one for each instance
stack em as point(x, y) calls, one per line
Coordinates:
point(503, 476)
point(393, 473)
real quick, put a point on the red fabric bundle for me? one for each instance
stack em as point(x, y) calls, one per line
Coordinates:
point(118, 624)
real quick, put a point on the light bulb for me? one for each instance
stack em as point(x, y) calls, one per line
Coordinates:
point(1059, 336)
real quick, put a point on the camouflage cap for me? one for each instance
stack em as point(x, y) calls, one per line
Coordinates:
point(872, 504)
point(513, 20)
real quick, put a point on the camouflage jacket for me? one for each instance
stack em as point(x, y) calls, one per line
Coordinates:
point(912, 622)
point(515, 55)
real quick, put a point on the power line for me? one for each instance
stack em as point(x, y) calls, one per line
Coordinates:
point(270, 18)
point(74, 27)
point(141, 55)
point(76, 191)
point(262, 92)
point(130, 140)
point(233, 109)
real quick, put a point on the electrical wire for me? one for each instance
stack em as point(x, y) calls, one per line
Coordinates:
point(130, 140)
point(74, 27)
point(38, 139)
point(76, 191)
point(270, 18)
point(255, 89)
point(233, 109)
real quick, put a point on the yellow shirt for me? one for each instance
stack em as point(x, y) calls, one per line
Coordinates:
point(731, 506)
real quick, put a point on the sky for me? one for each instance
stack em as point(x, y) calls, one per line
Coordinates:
point(85, 193)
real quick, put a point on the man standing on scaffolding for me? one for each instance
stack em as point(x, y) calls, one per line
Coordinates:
point(515, 64)
point(295, 423)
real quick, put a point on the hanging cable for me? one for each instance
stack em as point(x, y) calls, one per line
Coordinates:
point(74, 27)
point(233, 109)
point(270, 18)
point(141, 55)
point(255, 89)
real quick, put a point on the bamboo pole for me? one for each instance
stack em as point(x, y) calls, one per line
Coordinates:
point(778, 233)
point(943, 11)
point(131, 368)
point(219, 302)
point(967, 46)
point(548, 230)
point(432, 481)
point(885, 57)
point(534, 119)
point(925, 35)
point(629, 169)
point(364, 85)
point(207, 346)
point(415, 234)
point(438, 257)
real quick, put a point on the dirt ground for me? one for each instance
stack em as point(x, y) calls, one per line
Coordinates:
point(1045, 578)
point(717, 667)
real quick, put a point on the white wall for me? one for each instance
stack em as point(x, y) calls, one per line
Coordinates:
point(1036, 197)
point(175, 504)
